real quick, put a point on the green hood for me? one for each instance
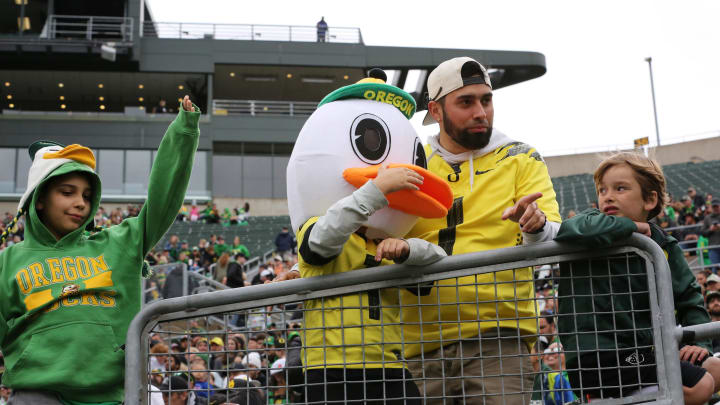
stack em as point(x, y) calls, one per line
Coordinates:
point(37, 234)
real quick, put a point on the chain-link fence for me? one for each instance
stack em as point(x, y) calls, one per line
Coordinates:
point(477, 328)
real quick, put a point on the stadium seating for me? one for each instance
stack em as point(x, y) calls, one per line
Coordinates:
point(576, 192)
point(258, 235)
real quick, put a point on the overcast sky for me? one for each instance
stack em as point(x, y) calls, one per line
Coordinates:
point(596, 92)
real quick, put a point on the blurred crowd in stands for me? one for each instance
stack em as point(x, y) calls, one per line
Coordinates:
point(212, 215)
point(223, 366)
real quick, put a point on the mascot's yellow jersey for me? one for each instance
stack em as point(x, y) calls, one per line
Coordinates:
point(354, 330)
point(474, 224)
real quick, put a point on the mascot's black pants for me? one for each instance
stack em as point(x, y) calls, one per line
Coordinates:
point(368, 386)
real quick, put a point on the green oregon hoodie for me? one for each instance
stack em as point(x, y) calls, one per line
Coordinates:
point(65, 306)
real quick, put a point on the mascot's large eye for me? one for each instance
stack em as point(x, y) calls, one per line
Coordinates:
point(419, 158)
point(370, 138)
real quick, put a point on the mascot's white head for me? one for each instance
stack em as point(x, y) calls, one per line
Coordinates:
point(356, 129)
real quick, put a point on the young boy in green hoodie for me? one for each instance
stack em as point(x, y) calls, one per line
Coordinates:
point(604, 310)
point(68, 297)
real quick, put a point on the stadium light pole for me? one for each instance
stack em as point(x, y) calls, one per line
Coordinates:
point(652, 90)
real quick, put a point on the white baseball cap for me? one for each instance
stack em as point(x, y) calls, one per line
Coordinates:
point(252, 359)
point(277, 366)
point(452, 75)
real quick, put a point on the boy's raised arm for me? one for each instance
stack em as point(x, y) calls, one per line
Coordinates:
point(593, 228)
point(170, 175)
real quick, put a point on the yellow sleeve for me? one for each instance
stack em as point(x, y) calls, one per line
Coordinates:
point(533, 177)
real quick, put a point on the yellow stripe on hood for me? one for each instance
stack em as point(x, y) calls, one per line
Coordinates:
point(74, 152)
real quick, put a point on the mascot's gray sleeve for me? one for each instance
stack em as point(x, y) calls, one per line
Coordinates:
point(346, 216)
point(333, 229)
point(422, 252)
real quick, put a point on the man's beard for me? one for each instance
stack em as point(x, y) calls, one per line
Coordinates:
point(464, 138)
point(715, 312)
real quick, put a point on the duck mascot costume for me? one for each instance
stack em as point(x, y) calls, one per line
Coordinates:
point(343, 219)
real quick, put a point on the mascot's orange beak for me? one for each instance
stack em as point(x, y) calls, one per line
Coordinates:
point(432, 200)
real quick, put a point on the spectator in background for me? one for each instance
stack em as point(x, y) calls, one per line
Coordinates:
point(209, 257)
point(556, 385)
point(712, 283)
point(175, 391)
point(546, 326)
point(210, 215)
point(173, 246)
point(196, 259)
point(277, 393)
point(162, 108)
point(194, 213)
point(236, 277)
point(686, 207)
point(220, 246)
point(688, 237)
point(238, 247)
point(701, 278)
point(285, 243)
point(158, 358)
point(697, 198)
point(263, 277)
point(322, 29)
point(711, 230)
point(663, 221)
point(571, 214)
point(712, 303)
point(4, 394)
point(221, 268)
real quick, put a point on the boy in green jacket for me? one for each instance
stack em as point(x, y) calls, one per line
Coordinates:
point(68, 298)
point(604, 311)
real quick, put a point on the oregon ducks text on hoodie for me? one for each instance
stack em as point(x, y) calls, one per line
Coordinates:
point(66, 304)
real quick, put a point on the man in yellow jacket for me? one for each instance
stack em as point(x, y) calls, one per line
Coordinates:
point(469, 338)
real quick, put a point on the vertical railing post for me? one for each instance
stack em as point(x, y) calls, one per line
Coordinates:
point(185, 280)
point(88, 32)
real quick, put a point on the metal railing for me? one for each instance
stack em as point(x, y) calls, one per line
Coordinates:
point(249, 32)
point(261, 107)
point(90, 28)
point(492, 266)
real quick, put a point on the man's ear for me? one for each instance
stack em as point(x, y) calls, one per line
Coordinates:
point(435, 110)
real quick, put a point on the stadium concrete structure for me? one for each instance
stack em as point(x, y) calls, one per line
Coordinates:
point(94, 73)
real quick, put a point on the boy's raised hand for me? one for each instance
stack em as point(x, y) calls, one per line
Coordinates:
point(643, 228)
point(396, 179)
point(392, 249)
point(187, 104)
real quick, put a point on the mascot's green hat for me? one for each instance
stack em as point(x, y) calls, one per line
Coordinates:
point(375, 88)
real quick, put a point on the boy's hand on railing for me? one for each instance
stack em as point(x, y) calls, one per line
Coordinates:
point(643, 228)
point(396, 179)
point(187, 104)
point(692, 354)
point(392, 249)
point(527, 214)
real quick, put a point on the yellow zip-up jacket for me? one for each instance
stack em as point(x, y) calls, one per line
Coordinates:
point(462, 308)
